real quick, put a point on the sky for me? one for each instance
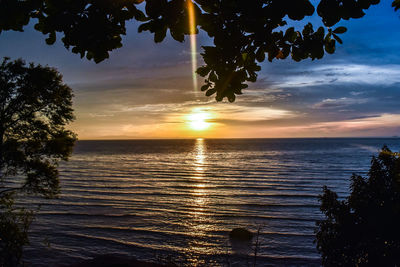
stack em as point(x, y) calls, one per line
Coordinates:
point(145, 90)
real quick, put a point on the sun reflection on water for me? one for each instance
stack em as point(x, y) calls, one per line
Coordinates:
point(199, 157)
point(199, 188)
point(200, 223)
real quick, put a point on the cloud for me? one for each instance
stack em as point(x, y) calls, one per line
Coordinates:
point(367, 126)
point(99, 115)
point(355, 93)
point(344, 74)
point(331, 103)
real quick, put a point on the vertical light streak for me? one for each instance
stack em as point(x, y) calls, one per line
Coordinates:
point(193, 41)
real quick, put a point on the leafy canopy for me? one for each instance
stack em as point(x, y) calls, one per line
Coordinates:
point(35, 106)
point(363, 229)
point(245, 33)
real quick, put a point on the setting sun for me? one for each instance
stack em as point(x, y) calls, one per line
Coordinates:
point(198, 120)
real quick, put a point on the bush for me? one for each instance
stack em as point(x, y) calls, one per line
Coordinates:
point(14, 226)
point(364, 228)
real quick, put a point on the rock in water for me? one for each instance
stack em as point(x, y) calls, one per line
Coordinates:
point(241, 240)
point(241, 234)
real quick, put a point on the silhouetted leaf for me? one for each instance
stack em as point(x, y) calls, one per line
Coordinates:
point(396, 4)
point(211, 92)
point(260, 55)
point(203, 71)
point(51, 39)
point(144, 27)
point(337, 38)
point(330, 46)
point(291, 35)
point(205, 87)
point(160, 35)
point(245, 57)
point(340, 30)
point(213, 77)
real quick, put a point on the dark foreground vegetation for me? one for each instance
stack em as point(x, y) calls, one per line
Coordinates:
point(363, 229)
point(35, 107)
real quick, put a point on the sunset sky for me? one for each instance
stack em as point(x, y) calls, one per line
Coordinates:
point(145, 90)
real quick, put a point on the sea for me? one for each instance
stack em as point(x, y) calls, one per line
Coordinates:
point(177, 200)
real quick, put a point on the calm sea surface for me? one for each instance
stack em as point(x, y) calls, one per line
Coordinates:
point(158, 198)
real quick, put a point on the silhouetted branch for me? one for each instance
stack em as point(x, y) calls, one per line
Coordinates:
point(8, 190)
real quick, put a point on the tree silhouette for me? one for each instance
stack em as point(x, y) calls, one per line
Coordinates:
point(35, 106)
point(364, 228)
point(245, 33)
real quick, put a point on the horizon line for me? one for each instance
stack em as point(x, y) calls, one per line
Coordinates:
point(243, 138)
